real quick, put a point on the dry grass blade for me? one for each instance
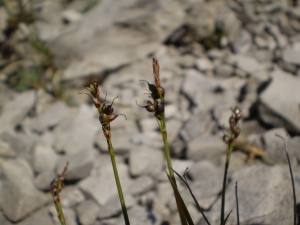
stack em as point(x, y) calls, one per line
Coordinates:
point(292, 177)
point(184, 180)
point(237, 204)
point(184, 214)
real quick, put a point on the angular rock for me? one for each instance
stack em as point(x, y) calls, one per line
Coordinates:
point(204, 64)
point(80, 164)
point(141, 185)
point(112, 206)
point(248, 64)
point(291, 53)
point(259, 198)
point(243, 43)
point(105, 182)
point(224, 70)
point(205, 147)
point(40, 217)
point(44, 158)
point(87, 212)
point(18, 183)
point(71, 197)
point(15, 110)
point(144, 161)
point(281, 100)
point(41, 181)
point(6, 151)
point(78, 131)
point(50, 117)
point(140, 215)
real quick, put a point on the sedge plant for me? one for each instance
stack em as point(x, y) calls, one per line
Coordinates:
point(230, 141)
point(106, 117)
point(56, 187)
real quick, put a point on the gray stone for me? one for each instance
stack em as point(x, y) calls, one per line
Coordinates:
point(224, 70)
point(281, 98)
point(15, 110)
point(216, 54)
point(136, 25)
point(44, 158)
point(18, 183)
point(70, 216)
point(6, 151)
point(105, 182)
point(260, 42)
point(248, 64)
point(290, 54)
point(275, 6)
point(259, 198)
point(50, 117)
point(40, 217)
point(275, 32)
point(145, 160)
point(71, 16)
point(204, 64)
point(205, 147)
point(22, 143)
point(4, 220)
point(140, 215)
point(87, 212)
point(80, 164)
point(41, 181)
point(71, 197)
point(243, 43)
point(141, 185)
point(78, 131)
point(181, 165)
point(113, 208)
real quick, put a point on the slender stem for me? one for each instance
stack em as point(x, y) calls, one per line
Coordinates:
point(163, 130)
point(231, 145)
point(237, 203)
point(119, 187)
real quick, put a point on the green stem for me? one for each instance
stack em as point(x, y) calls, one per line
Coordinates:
point(231, 146)
point(119, 187)
point(163, 130)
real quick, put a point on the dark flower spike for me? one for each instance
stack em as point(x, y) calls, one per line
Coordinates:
point(156, 72)
point(108, 109)
point(149, 107)
point(93, 88)
point(95, 100)
point(153, 90)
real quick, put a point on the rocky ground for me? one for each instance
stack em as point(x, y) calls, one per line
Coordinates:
point(212, 55)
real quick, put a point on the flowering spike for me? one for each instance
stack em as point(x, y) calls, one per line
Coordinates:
point(156, 72)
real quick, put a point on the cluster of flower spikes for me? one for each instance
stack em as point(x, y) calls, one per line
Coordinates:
point(233, 125)
point(157, 94)
point(105, 111)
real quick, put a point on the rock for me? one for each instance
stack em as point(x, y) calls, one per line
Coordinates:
point(41, 181)
point(248, 64)
point(87, 212)
point(44, 158)
point(78, 131)
point(113, 208)
point(275, 32)
point(40, 217)
point(70, 16)
point(203, 64)
point(140, 215)
point(224, 70)
point(261, 42)
point(50, 117)
point(259, 198)
point(141, 185)
point(137, 26)
point(6, 151)
point(70, 216)
point(146, 161)
point(22, 143)
point(3, 220)
point(290, 54)
point(105, 182)
point(205, 147)
point(18, 182)
point(284, 89)
point(80, 165)
point(15, 110)
point(243, 43)
point(71, 197)
point(180, 166)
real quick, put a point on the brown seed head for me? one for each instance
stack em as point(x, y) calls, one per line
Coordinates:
point(156, 72)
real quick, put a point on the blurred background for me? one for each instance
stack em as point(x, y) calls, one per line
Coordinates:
point(213, 55)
